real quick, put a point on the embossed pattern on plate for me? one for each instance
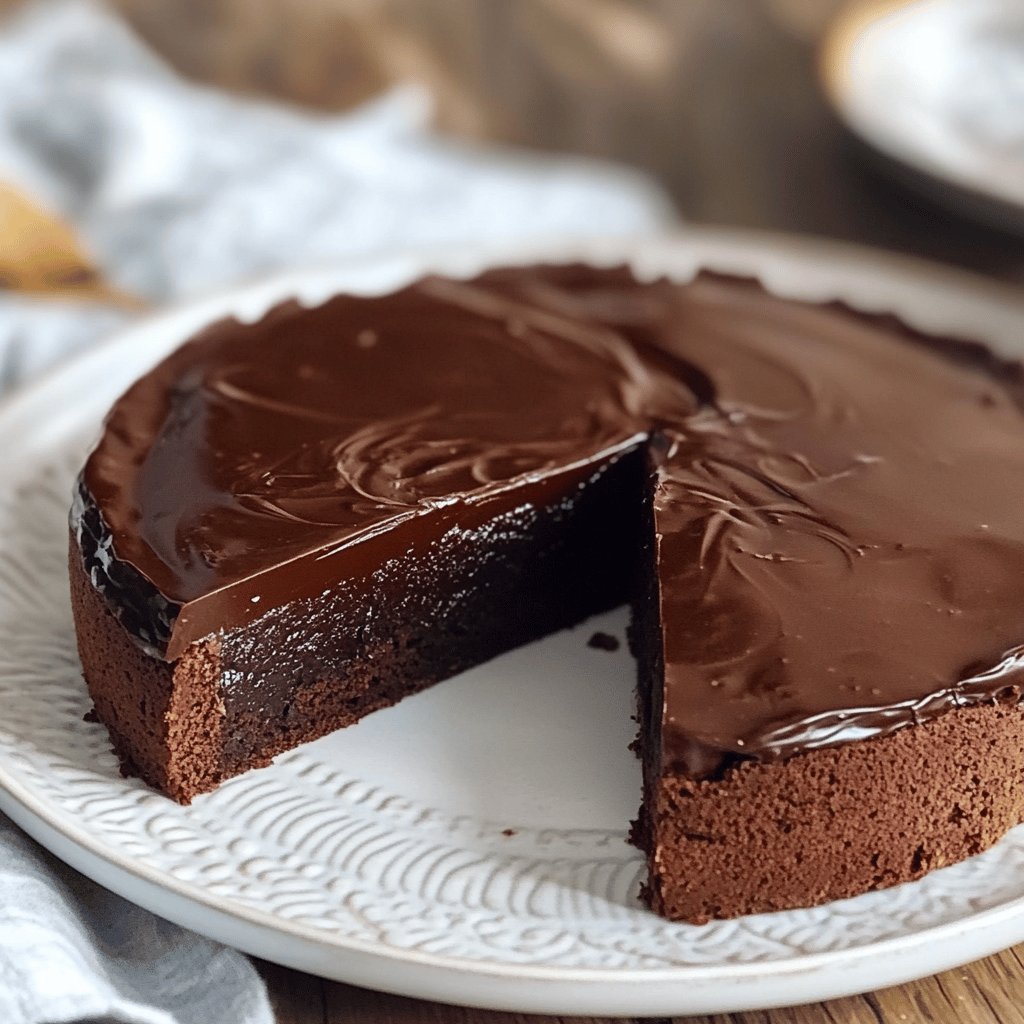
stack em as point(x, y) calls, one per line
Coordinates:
point(468, 844)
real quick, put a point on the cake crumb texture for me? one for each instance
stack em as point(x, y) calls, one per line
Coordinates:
point(837, 822)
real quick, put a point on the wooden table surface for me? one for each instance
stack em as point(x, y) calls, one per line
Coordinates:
point(988, 992)
point(719, 101)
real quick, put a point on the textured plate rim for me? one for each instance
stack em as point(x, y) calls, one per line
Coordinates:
point(612, 990)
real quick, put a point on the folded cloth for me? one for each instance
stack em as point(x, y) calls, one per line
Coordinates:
point(70, 951)
point(176, 189)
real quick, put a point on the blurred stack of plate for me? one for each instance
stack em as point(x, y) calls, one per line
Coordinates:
point(935, 89)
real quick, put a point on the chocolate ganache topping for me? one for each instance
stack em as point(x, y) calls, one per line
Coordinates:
point(839, 546)
point(257, 464)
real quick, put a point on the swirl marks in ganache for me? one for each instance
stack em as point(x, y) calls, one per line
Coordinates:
point(839, 548)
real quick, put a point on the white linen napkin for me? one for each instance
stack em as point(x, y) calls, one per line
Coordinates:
point(177, 189)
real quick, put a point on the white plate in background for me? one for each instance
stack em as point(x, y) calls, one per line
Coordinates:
point(468, 845)
point(936, 87)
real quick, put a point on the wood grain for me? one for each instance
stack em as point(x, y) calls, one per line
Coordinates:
point(988, 992)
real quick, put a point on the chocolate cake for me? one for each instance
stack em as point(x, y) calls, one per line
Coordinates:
point(814, 512)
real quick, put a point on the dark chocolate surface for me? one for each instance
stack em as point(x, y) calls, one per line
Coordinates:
point(476, 592)
point(839, 534)
point(256, 466)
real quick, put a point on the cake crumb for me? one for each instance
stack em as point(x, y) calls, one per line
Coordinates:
point(603, 642)
point(508, 831)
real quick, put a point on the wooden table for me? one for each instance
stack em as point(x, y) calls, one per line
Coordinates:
point(718, 100)
point(988, 992)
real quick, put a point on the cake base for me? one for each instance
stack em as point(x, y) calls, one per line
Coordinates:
point(822, 826)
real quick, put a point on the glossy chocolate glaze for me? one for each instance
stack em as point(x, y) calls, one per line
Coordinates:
point(836, 500)
point(258, 465)
point(840, 536)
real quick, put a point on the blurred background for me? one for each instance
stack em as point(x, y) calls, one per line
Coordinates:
point(719, 101)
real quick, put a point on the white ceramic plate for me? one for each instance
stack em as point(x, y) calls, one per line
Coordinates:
point(936, 87)
point(467, 845)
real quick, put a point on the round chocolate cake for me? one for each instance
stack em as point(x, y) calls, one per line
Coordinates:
point(814, 512)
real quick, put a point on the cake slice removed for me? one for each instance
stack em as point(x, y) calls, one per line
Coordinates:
point(815, 513)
